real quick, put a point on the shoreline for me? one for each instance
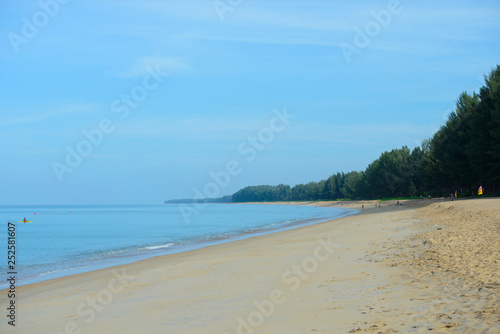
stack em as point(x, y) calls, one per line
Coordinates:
point(366, 272)
point(111, 262)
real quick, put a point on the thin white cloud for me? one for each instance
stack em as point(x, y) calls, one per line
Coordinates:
point(194, 9)
point(42, 116)
point(166, 64)
point(315, 16)
point(205, 129)
point(359, 134)
point(268, 39)
point(317, 23)
point(234, 129)
point(470, 17)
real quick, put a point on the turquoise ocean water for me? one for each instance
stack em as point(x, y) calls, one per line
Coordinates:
point(65, 240)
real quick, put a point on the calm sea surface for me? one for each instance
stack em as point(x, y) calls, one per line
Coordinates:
point(65, 240)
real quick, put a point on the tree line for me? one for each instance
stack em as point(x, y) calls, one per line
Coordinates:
point(462, 155)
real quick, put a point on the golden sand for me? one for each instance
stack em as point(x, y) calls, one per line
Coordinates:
point(386, 270)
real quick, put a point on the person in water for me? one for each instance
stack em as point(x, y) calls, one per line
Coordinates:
point(25, 220)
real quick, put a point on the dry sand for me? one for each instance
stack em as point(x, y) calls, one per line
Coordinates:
point(386, 270)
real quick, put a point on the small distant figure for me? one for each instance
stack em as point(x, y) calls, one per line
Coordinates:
point(397, 203)
point(362, 206)
point(421, 197)
point(25, 220)
point(401, 203)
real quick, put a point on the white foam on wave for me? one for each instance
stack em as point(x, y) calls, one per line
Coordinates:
point(158, 247)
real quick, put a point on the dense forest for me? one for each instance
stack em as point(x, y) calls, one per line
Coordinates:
point(462, 155)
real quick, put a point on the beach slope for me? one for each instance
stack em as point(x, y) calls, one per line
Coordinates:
point(428, 266)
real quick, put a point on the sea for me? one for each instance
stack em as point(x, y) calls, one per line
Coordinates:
point(67, 240)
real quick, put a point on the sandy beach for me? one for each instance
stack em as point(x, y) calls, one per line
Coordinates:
point(427, 266)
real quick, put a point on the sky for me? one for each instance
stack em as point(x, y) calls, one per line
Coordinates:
point(137, 102)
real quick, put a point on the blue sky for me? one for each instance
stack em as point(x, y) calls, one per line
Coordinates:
point(221, 75)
